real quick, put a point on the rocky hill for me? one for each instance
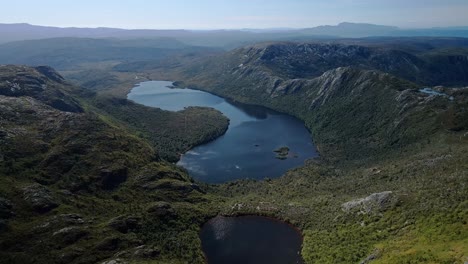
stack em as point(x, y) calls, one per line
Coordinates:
point(79, 185)
point(309, 60)
point(354, 99)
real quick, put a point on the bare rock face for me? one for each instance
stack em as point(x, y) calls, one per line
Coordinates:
point(39, 197)
point(374, 203)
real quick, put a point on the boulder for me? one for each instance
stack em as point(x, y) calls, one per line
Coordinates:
point(374, 203)
point(39, 198)
point(160, 209)
point(145, 252)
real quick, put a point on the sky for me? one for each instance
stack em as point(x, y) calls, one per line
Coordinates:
point(233, 14)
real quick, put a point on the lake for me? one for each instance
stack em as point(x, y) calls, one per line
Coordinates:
point(250, 239)
point(247, 148)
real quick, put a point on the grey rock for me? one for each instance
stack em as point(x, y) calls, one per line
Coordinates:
point(71, 219)
point(160, 209)
point(146, 252)
point(373, 203)
point(39, 197)
point(115, 261)
point(69, 235)
point(375, 255)
point(63, 220)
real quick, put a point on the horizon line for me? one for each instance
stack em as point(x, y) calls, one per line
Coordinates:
point(227, 29)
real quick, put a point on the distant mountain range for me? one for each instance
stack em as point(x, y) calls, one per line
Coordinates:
point(224, 38)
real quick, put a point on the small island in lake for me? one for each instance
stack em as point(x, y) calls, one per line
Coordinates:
point(282, 153)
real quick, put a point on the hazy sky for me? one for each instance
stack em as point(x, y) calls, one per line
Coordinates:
point(210, 14)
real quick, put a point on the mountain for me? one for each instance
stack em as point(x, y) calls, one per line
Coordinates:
point(23, 31)
point(70, 53)
point(314, 81)
point(79, 183)
point(354, 30)
point(226, 39)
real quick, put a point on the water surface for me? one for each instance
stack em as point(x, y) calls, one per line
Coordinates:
point(250, 240)
point(247, 148)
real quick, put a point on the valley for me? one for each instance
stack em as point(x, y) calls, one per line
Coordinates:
point(246, 150)
point(89, 160)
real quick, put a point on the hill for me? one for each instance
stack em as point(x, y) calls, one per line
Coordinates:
point(74, 53)
point(79, 185)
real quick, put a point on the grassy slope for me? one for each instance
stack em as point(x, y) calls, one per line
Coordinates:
point(73, 155)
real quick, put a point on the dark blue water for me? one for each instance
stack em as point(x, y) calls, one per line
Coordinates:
point(250, 240)
point(246, 150)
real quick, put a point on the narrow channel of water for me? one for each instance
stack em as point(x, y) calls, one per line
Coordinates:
point(247, 148)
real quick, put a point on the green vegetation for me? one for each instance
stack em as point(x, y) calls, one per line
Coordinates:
point(282, 153)
point(82, 186)
point(389, 185)
point(375, 133)
point(171, 133)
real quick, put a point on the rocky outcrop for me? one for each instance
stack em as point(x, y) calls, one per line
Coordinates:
point(375, 255)
point(115, 261)
point(125, 224)
point(39, 198)
point(42, 83)
point(112, 178)
point(60, 221)
point(372, 204)
point(145, 252)
point(69, 235)
point(160, 209)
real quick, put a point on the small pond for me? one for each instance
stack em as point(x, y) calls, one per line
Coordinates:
point(250, 240)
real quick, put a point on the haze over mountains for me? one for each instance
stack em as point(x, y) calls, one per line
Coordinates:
point(23, 31)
